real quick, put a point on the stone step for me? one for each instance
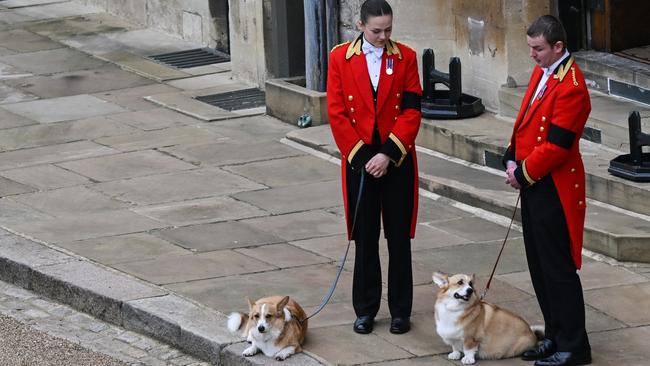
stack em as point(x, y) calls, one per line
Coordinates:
point(612, 231)
point(482, 140)
point(616, 75)
point(607, 123)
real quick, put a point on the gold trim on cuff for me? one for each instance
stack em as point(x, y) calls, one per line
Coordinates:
point(530, 180)
point(400, 146)
point(354, 150)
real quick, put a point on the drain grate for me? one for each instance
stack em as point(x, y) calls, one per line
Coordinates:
point(191, 58)
point(236, 100)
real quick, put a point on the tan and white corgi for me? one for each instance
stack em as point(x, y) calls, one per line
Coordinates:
point(273, 325)
point(475, 328)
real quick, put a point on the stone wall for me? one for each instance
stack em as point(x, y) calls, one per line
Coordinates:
point(488, 36)
point(203, 22)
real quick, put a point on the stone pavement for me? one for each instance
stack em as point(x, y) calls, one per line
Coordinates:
point(162, 222)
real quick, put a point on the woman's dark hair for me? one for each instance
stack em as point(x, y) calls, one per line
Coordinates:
point(549, 27)
point(374, 8)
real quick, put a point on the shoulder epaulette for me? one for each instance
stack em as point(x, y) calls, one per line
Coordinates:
point(564, 68)
point(339, 45)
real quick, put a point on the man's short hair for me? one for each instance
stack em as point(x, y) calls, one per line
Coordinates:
point(550, 27)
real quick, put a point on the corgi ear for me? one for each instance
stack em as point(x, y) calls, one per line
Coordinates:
point(250, 304)
point(440, 279)
point(283, 302)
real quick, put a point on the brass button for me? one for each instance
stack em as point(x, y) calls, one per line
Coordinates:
point(352, 109)
point(396, 107)
point(395, 118)
point(539, 138)
point(350, 98)
point(354, 120)
point(543, 118)
point(541, 129)
point(580, 203)
point(399, 95)
point(410, 146)
point(577, 185)
point(573, 170)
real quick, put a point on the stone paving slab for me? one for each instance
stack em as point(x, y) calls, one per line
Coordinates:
point(69, 201)
point(20, 40)
point(59, 60)
point(161, 138)
point(45, 177)
point(12, 212)
point(205, 210)
point(127, 165)
point(182, 103)
point(78, 82)
point(12, 95)
point(63, 109)
point(283, 172)
point(232, 356)
point(11, 72)
point(144, 67)
point(218, 236)
point(623, 302)
point(153, 118)
point(283, 255)
point(177, 186)
point(90, 225)
point(133, 98)
point(168, 269)
point(301, 225)
point(25, 3)
point(11, 120)
point(339, 345)
point(55, 10)
point(229, 152)
point(255, 128)
point(8, 187)
point(621, 347)
point(52, 154)
point(295, 198)
point(123, 248)
point(58, 133)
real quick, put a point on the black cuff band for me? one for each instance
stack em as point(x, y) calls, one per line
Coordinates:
point(411, 100)
point(561, 136)
point(521, 179)
point(362, 156)
point(391, 149)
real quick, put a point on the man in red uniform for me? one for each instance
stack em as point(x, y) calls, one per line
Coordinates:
point(543, 161)
point(373, 100)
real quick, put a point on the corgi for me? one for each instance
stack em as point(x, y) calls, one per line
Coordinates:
point(477, 329)
point(273, 325)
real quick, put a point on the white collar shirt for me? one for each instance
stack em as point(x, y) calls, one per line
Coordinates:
point(548, 71)
point(373, 59)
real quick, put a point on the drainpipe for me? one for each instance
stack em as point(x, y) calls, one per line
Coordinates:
point(315, 44)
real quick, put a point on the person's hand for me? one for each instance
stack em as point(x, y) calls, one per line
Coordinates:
point(377, 166)
point(510, 176)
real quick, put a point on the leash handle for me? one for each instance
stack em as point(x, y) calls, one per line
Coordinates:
point(330, 293)
point(512, 219)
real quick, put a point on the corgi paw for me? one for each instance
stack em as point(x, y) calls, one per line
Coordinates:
point(454, 355)
point(284, 353)
point(250, 351)
point(468, 360)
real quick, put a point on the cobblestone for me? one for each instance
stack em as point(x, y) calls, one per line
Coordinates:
point(64, 322)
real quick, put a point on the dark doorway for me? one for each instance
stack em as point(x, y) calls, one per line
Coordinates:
point(605, 25)
point(220, 12)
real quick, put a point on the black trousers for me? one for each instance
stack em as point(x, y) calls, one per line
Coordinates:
point(552, 270)
point(391, 198)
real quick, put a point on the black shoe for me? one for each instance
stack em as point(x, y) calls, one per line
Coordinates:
point(566, 359)
point(399, 325)
point(363, 324)
point(545, 348)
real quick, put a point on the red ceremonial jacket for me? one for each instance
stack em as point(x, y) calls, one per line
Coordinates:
point(546, 140)
point(352, 111)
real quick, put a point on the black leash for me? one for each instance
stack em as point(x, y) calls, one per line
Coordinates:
point(330, 293)
point(512, 219)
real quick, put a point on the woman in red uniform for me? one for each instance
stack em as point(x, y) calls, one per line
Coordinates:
point(373, 100)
